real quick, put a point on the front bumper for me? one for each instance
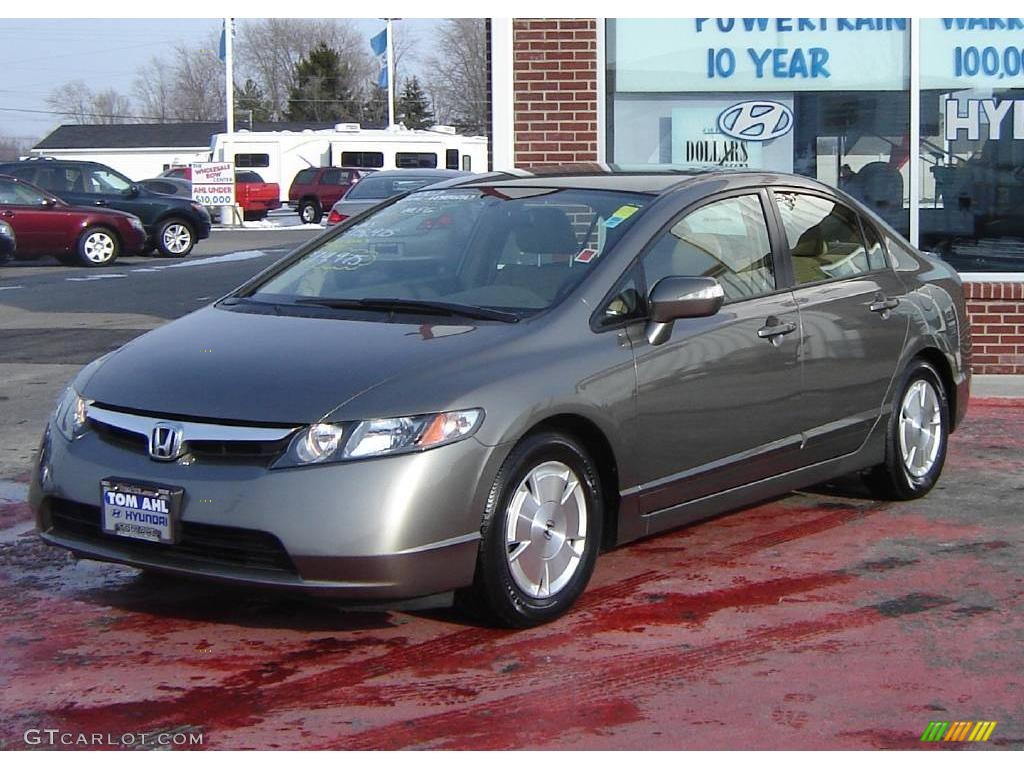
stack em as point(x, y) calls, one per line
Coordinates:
point(375, 530)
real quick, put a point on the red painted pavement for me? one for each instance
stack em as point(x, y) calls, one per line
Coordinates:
point(821, 620)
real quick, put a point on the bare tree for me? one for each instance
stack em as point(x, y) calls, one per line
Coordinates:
point(154, 91)
point(457, 82)
point(268, 51)
point(82, 105)
point(187, 85)
point(13, 147)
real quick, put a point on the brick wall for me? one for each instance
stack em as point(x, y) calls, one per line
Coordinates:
point(555, 83)
point(996, 312)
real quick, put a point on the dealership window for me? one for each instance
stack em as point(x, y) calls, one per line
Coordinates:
point(972, 142)
point(825, 98)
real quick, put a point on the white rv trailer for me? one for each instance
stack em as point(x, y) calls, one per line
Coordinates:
point(278, 155)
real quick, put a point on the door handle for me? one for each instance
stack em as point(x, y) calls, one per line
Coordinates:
point(772, 331)
point(883, 305)
point(100, 202)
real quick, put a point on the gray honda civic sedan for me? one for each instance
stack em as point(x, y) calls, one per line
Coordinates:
point(473, 389)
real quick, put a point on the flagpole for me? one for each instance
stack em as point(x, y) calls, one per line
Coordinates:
point(391, 78)
point(229, 79)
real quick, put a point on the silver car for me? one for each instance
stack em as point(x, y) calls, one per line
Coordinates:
point(379, 186)
point(473, 390)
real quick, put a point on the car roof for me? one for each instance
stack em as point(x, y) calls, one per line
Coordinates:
point(641, 179)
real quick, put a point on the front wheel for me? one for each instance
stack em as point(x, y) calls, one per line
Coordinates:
point(97, 247)
point(175, 238)
point(916, 437)
point(541, 532)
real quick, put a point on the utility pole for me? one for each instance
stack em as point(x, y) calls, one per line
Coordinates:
point(229, 78)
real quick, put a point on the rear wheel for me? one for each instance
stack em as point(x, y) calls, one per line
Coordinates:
point(97, 247)
point(175, 238)
point(916, 437)
point(541, 532)
point(310, 211)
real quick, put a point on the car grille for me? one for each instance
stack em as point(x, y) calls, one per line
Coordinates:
point(204, 441)
point(199, 543)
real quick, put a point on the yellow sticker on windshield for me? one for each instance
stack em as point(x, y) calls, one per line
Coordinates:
point(623, 213)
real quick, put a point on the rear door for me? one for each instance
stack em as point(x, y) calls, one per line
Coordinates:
point(853, 319)
point(716, 402)
point(332, 187)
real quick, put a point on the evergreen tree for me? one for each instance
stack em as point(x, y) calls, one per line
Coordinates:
point(323, 88)
point(413, 109)
point(249, 100)
point(375, 107)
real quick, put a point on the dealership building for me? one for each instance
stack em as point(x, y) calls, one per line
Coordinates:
point(922, 119)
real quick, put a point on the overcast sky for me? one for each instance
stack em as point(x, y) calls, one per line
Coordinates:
point(38, 55)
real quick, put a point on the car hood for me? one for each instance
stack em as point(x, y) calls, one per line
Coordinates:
point(92, 210)
point(225, 364)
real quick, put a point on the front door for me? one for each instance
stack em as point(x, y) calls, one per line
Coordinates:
point(854, 323)
point(717, 401)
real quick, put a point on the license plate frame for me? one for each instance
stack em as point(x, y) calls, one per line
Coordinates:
point(146, 512)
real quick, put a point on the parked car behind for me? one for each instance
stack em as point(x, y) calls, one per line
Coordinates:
point(44, 225)
point(315, 190)
point(480, 385)
point(383, 185)
point(253, 195)
point(173, 224)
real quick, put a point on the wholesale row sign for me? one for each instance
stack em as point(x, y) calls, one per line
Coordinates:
point(213, 183)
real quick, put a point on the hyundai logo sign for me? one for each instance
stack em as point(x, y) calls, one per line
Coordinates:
point(756, 120)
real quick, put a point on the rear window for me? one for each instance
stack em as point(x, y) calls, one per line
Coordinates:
point(248, 177)
point(363, 159)
point(378, 187)
point(415, 160)
point(305, 177)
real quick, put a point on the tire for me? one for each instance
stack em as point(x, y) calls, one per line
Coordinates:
point(916, 437)
point(175, 238)
point(97, 247)
point(310, 211)
point(531, 573)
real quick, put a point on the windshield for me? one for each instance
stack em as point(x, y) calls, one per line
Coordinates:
point(511, 248)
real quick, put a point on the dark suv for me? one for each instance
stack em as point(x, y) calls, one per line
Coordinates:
point(315, 190)
point(173, 224)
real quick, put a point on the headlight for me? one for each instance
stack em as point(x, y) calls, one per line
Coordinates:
point(321, 443)
point(70, 414)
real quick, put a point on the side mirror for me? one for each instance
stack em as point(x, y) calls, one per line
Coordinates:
point(49, 202)
point(676, 298)
point(132, 191)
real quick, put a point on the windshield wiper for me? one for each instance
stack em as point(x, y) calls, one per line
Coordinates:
point(414, 305)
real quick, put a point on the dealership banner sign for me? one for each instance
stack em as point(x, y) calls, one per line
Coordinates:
point(213, 183)
point(760, 54)
point(960, 53)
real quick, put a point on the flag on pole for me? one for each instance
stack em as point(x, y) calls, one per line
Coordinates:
point(379, 46)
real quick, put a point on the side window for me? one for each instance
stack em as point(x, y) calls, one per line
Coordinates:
point(415, 160)
point(451, 159)
point(625, 301)
point(727, 240)
point(824, 238)
point(363, 159)
point(252, 160)
point(333, 176)
point(876, 254)
point(8, 193)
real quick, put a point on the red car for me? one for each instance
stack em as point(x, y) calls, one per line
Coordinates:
point(316, 190)
point(45, 225)
point(255, 196)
